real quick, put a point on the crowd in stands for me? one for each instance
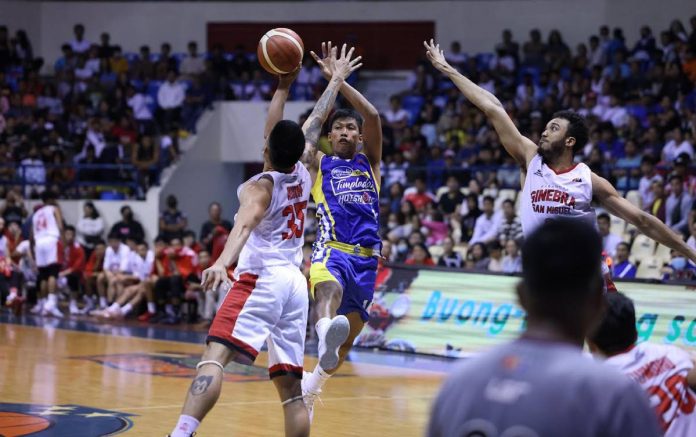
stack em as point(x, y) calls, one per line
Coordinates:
point(113, 273)
point(97, 105)
point(449, 194)
point(449, 183)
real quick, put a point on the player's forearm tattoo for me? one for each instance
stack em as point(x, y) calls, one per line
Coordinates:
point(320, 111)
point(200, 385)
point(313, 132)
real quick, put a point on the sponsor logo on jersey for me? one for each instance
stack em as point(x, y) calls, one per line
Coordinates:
point(61, 420)
point(561, 203)
point(578, 180)
point(352, 184)
point(538, 173)
point(341, 172)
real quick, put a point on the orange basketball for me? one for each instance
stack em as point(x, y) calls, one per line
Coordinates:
point(18, 424)
point(280, 51)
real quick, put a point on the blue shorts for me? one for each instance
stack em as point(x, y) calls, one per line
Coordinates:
point(354, 273)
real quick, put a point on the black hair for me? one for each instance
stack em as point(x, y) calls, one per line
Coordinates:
point(577, 128)
point(124, 208)
point(676, 176)
point(143, 243)
point(48, 195)
point(425, 249)
point(100, 242)
point(160, 239)
point(488, 199)
point(604, 216)
point(95, 213)
point(189, 233)
point(286, 144)
point(561, 261)
point(617, 331)
point(346, 113)
point(508, 201)
point(647, 159)
point(69, 228)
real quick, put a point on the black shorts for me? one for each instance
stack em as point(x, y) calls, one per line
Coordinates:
point(50, 271)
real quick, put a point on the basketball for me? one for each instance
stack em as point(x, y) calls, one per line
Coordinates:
point(280, 51)
point(18, 424)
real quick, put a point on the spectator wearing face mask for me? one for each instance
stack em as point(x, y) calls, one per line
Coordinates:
point(678, 268)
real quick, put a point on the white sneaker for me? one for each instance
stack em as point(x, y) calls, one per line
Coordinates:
point(37, 309)
point(309, 397)
point(330, 341)
point(50, 310)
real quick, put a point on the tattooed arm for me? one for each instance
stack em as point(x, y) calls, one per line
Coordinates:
point(343, 66)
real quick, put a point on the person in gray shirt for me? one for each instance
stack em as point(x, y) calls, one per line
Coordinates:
point(542, 385)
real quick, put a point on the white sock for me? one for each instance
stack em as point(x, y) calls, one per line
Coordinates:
point(186, 426)
point(73, 304)
point(169, 309)
point(316, 380)
point(115, 307)
point(52, 299)
point(151, 308)
point(126, 309)
point(102, 302)
point(13, 293)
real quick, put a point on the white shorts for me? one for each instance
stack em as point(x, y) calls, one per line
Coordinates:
point(270, 306)
point(47, 252)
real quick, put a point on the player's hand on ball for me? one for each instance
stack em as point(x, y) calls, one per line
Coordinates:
point(437, 56)
point(342, 66)
point(213, 276)
point(285, 80)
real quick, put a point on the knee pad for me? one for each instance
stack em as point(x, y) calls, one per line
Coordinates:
point(203, 363)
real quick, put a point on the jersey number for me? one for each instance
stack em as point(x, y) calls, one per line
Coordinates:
point(41, 223)
point(295, 212)
point(675, 391)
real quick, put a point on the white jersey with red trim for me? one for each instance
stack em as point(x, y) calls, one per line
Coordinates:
point(44, 223)
point(548, 195)
point(279, 237)
point(661, 370)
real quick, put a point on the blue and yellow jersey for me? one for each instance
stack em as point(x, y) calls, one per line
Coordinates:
point(347, 198)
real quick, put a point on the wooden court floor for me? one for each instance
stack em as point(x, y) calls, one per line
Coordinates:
point(67, 382)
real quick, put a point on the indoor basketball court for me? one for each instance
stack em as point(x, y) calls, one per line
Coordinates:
point(76, 378)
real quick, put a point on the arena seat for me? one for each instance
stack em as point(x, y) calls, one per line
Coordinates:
point(635, 198)
point(649, 269)
point(643, 248)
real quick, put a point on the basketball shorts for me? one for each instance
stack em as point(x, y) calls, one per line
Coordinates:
point(47, 252)
point(266, 306)
point(356, 274)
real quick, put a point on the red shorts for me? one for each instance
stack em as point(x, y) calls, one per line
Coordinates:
point(269, 306)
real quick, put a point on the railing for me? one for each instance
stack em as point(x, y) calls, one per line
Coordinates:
point(70, 177)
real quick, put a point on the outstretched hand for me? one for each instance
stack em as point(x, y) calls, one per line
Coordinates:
point(437, 57)
point(331, 63)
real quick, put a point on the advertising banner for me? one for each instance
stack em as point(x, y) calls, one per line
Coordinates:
point(458, 314)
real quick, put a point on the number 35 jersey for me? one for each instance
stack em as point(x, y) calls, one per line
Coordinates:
point(279, 237)
point(661, 371)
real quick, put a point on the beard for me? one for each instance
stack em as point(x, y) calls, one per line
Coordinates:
point(552, 151)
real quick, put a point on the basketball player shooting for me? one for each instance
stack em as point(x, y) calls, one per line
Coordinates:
point(268, 302)
point(347, 247)
point(555, 187)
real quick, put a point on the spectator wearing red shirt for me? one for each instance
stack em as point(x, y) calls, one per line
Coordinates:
point(420, 197)
point(420, 256)
point(93, 268)
point(73, 265)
